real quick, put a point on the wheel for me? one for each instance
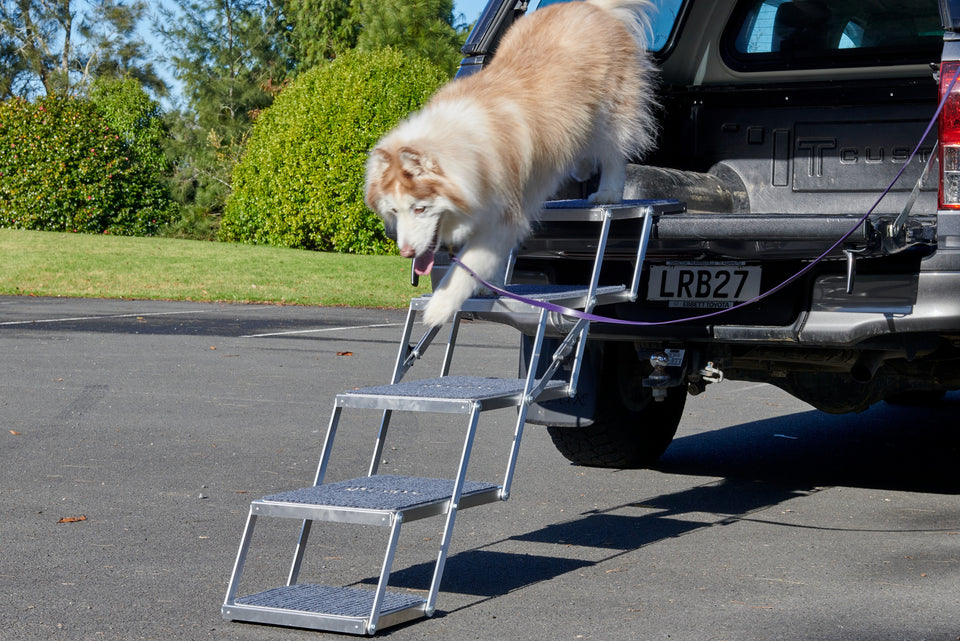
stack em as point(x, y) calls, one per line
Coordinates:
point(629, 429)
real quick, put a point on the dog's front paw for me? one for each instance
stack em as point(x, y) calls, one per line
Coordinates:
point(438, 311)
point(605, 197)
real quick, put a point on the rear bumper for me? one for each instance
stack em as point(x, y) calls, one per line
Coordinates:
point(935, 310)
point(924, 303)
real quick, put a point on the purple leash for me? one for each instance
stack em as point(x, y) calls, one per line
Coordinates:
point(576, 313)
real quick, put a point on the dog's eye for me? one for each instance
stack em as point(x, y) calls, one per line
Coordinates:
point(419, 210)
point(393, 211)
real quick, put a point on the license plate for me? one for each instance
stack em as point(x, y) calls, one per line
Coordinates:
point(703, 285)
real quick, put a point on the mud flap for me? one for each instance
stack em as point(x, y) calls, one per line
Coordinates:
point(578, 410)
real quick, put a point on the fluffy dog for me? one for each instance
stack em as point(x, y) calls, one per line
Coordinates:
point(570, 89)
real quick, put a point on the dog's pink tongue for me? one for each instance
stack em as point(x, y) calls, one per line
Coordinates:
point(423, 263)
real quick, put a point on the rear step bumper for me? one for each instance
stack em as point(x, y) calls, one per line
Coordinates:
point(880, 305)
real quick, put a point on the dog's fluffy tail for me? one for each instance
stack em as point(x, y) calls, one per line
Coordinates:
point(635, 14)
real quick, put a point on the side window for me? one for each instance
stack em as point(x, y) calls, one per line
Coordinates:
point(816, 33)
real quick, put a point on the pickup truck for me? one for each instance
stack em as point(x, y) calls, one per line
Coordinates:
point(781, 124)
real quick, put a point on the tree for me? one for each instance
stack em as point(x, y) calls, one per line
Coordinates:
point(230, 57)
point(114, 48)
point(321, 30)
point(415, 27)
point(51, 47)
point(136, 118)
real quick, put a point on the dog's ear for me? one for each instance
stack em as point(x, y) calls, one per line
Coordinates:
point(377, 164)
point(416, 163)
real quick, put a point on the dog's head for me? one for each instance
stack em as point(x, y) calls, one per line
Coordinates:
point(408, 188)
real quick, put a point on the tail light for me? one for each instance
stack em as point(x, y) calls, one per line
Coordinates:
point(950, 137)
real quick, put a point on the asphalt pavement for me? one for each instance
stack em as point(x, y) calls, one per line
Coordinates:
point(133, 436)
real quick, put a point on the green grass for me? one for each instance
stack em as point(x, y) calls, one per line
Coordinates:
point(80, 265)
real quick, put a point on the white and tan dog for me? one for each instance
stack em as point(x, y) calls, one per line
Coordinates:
point(570, 88)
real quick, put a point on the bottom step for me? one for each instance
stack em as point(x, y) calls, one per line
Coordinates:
point(325, 607)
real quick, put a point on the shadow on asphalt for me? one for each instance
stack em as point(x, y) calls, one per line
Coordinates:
point(197, 324)
point(761, 464)
point(886, 447)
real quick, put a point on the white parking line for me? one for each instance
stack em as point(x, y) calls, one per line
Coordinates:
point(322, 329)
point(84, 318)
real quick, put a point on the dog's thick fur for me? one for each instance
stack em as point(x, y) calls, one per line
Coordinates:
point(570, 88)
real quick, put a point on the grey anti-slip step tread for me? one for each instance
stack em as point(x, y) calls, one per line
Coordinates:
point(547, 292)
point(572, 296)
point(444, 393)
point(463, 388)
point(328, 599)
point(379, 492)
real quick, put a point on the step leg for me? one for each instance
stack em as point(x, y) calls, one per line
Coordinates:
point(451, 343)
point(529, 395)
point(381, 440)
point(241, 558)
point(452, 511)
point(328, 444)
point(298, 555)
point(385, 572)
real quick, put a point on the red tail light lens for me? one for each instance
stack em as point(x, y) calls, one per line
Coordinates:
point(950, 138)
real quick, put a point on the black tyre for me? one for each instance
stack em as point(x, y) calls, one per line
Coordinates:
point(630, 429)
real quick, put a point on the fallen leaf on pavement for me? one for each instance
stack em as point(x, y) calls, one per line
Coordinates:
point(72, 519)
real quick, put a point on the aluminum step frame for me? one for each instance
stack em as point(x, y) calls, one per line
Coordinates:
point(386, 398)
point(360, 611)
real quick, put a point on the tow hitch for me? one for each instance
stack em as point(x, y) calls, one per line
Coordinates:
point(670, 369)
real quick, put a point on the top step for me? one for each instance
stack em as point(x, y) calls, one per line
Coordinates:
point(581, 210)
point(573, 296)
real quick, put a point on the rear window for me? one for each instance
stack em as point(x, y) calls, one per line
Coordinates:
point(809, 34)
point(662, 22)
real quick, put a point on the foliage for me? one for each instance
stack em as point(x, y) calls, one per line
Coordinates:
point(320, 30)
point(113, 46)
point(64, 168)
point(228, 55)
point(424, 28)
point(42, 54)
point(300, 183)
point(136, 117)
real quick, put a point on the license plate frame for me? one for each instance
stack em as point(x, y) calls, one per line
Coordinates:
point(703, 285)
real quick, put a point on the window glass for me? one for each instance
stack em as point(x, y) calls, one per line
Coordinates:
point(662, 22)
point(817, 33)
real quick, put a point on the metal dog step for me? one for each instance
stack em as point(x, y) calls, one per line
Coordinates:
point(374, 500)
point(572, 296)
point(447, 394)
point(326, 607)
point(389, 501)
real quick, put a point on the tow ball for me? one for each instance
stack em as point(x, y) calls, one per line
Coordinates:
point(670, 369)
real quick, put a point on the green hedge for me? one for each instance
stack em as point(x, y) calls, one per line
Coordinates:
point(63, 168)
point(300, 182)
